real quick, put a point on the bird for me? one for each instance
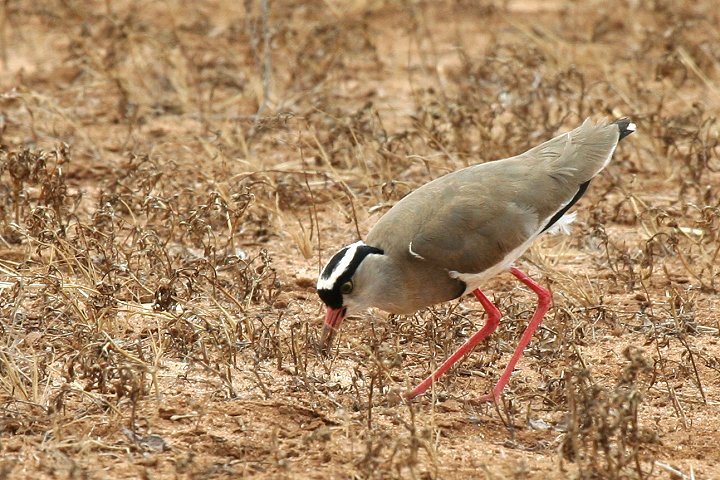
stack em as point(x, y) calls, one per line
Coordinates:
point(448, 237)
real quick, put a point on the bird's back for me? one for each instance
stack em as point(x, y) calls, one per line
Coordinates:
point(469, 220)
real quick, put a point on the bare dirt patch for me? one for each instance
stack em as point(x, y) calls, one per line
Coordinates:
point(173, 174)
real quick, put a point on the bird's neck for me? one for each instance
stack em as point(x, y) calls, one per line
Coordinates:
point(384, 285)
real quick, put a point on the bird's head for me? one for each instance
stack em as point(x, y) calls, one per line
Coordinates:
point(342, 288)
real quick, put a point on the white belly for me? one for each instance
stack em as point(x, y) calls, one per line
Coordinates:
point(475, 280)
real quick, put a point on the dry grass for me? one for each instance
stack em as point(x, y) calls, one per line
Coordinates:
point(172, 175)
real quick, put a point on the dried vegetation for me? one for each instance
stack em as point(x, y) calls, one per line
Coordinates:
point(172, 174)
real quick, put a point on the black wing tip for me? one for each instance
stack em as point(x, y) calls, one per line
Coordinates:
point(626, 127)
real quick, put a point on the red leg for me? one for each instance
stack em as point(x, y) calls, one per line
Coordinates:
point(490, 325)
point(544, 303)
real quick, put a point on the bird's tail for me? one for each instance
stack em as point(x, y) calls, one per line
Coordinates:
point(582, 153)
point(626, 127)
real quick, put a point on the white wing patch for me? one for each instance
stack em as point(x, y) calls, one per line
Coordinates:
point(414, 254)
point(328, 282)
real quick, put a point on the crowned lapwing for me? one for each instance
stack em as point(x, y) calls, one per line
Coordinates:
point(446, 238)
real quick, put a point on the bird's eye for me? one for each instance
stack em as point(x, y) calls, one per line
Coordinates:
point(346, 287)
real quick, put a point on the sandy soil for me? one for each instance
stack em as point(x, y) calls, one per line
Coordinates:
point(173, 174)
